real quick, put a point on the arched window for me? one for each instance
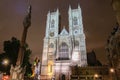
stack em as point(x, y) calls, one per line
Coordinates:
point(52, 23)
point(76, 44)
point(51, 47)
point(63, 51)
point(75, 21)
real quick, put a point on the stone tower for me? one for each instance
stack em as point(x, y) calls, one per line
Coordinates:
point(61, 50)
point(77, 35)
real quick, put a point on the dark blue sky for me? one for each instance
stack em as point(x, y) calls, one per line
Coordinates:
point(98, 21)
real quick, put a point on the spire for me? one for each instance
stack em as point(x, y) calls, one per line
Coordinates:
point(78, 6)
point(69, 7)
point(63, 27)
point(48, 13)
point(57, 10)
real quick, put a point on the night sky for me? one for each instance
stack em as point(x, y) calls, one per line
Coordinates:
point(98, 21)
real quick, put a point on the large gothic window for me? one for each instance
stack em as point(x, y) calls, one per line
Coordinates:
point(63, 51)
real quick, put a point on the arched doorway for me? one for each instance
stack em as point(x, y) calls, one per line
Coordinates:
point(62, 77)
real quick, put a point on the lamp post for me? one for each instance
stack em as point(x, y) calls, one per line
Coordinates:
point(5, 62)
point(95, 76)
point(112, 71)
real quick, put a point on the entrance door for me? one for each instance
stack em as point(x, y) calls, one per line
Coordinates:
point(62, 77)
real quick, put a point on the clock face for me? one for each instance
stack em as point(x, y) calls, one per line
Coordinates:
point(76, 32)
point(51, 34)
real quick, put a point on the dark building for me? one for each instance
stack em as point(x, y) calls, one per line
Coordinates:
point(92, 60)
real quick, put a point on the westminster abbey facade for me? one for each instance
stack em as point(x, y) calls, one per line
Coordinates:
point(62, 49)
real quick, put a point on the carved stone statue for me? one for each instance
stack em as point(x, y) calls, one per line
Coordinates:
point(17, 72)
point(36, 71)
point(26, 24)
point(14, 71)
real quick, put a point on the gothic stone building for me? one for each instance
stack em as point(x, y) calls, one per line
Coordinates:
point(61, 50)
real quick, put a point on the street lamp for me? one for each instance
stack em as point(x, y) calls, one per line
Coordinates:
point(112, 70)
point(5, 62)
point(96, 76)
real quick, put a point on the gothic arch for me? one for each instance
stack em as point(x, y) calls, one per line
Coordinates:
point(51, 45)
point(75, 21)
point(76, 43)
point(52, 23)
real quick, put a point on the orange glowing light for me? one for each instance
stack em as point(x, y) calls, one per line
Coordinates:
point(6, 77)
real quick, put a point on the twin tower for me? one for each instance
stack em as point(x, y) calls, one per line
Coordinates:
point(63, 49)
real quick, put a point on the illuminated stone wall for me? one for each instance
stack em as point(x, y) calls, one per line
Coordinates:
point(61, 50)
